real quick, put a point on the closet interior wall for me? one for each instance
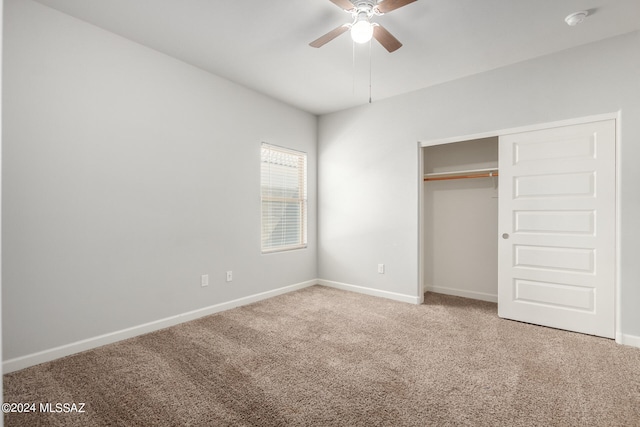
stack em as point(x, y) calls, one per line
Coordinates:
point(461, 221)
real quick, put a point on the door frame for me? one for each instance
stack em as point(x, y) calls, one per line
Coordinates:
point(498, 133)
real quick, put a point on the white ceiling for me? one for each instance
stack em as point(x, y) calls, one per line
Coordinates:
point(263, 45)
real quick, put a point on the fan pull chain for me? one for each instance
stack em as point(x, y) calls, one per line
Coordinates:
point(353, 67)
point(370, 71)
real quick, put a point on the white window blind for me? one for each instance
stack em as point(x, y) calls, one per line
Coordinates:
point(284, 198)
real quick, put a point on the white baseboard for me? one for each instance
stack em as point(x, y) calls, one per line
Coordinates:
point(462, 293)
point(371, 291)
point(630, 340)
point(22, 362)
point(33, 359)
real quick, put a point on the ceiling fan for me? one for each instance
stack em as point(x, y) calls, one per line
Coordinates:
point(362, 29)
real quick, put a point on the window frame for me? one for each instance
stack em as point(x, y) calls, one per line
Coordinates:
point(301, 199)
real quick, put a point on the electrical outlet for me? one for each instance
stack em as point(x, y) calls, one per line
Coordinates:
point(380, 268)
point(229, 276)
point(204, 280)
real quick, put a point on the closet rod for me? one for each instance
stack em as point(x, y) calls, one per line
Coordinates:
point(462, 176)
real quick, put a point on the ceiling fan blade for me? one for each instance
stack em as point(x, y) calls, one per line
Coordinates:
point(388, 5)
point(386, 39)
point(344, 4)
point(321, 41)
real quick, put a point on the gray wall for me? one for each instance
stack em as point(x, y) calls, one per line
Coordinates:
point(126, 175)
point(368, 157)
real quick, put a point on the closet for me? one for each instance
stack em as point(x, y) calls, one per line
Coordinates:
point(526, 219)
point(461, 218)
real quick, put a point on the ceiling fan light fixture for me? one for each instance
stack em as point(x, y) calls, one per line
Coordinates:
point(362, 31)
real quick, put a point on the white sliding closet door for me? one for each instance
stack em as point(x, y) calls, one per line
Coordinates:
point(557, 228)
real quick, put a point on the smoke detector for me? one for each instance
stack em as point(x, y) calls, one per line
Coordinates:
point(576, 18)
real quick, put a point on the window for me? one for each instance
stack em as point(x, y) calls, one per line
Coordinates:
point(284, 199)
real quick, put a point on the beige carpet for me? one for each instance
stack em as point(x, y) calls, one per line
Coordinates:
point(325, 357)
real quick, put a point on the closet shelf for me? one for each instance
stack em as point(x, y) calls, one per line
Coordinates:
point(464, 174)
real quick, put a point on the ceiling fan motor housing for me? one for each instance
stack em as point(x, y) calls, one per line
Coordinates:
point(367, 7)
